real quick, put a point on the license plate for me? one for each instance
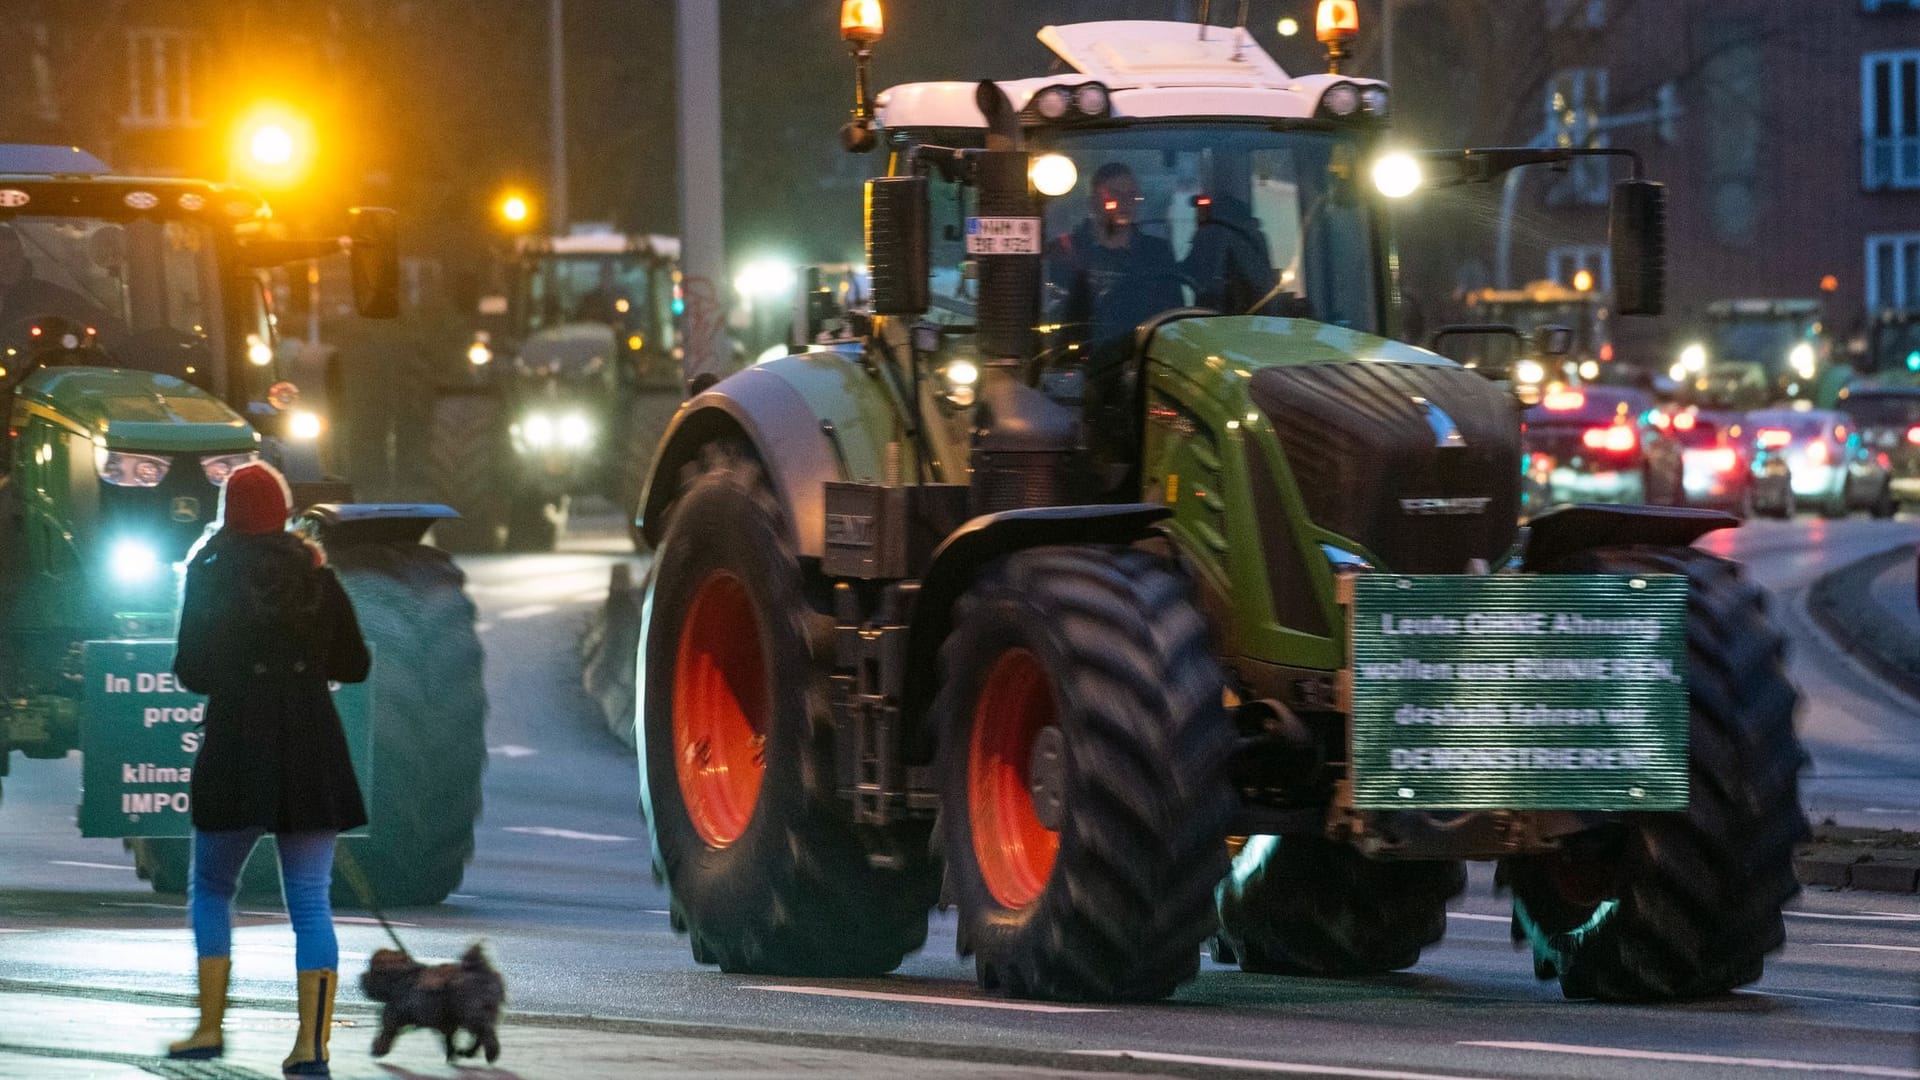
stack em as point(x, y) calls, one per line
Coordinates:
point(1003, 236)
point(1518, 692)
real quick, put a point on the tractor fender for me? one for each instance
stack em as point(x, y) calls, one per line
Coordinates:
point(1564, 530)
point(764, 406)
point(982, 540)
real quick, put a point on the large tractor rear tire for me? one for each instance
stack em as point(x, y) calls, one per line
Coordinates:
point(429, 721)
point(1302, 905)
point(429, 737)
point(1085, 798)
point(467, 464)
point(767, 872)
point(1684, 904)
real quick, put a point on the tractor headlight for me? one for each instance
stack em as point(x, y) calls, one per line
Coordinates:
point(1529, 373)
point(134, 562)
point(1340, 99)
point(1801, 359)
point(130, 470)
point(221, 466)
point(479, 355)
point(538, 431)
point(1693, 357)
point(1085, 101)
point(1397, 174)
point(575, 431)
point(304, 425)
point(962, 377)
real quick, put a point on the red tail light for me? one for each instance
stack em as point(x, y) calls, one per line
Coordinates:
point(1617, 439)
point(1774, 438)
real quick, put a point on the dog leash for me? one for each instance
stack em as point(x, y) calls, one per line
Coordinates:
point(357, 880)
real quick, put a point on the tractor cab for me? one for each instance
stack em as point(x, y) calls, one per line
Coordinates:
point(1891, 353)
point(1755, 352)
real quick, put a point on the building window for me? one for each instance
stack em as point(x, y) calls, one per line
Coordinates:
point(1565, 261)
point(1890, 119)
point(1578, 14)
point(1893, 271)
point(1889, 5)
point(166, 78)
point(1576, 98)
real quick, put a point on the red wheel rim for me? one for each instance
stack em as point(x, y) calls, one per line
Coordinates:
point(1014, 850)
point(720, 706)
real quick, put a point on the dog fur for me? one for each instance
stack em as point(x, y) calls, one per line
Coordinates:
point(445, 997)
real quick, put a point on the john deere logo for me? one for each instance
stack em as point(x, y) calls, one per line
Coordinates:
point(186, 508)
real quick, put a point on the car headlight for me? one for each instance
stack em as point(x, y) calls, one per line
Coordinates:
point(538, 431)
point(130, 470)
point(479, 355)
point(1693, 357)
point(575, 431)
point(134, 562)
point(1529, 372)
point(221, 466)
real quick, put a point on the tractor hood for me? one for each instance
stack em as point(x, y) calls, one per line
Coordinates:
point(579, 350)
point(136, 410)
point(1403, 452)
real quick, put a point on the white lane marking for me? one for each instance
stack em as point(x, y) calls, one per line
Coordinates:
point(1890, 809)
point(567, 834)
point(91, 865)
point(461, 896)
point(364, 920)
point(528, 611)
point(1474, 916)
point(658, 911)
point(512, 750)
point(126, 903)
point(15, 930)
point(927, 999)
point(1834, 1000)
point(1256, 1065)
point(1703, 1059)
point(1876, 948)
point(482, 626)
point(1871, 916)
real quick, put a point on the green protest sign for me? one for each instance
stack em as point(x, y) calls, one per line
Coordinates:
point(139, 734)
point(1519, 692)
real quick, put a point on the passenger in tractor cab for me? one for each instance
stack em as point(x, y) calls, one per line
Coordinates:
point(1229, 261)
point(1116, 276)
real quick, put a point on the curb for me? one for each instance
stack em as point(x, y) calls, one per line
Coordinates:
point(1877, 861)
point(1848, 591)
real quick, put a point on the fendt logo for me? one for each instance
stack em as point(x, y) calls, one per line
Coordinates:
point(1431, 507)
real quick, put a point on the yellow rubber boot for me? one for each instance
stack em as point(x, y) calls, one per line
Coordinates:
point(309, 1057)
point(206, 1040)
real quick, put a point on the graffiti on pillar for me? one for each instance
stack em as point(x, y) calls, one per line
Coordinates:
point(706, 328)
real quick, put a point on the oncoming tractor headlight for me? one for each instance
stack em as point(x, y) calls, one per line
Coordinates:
point(1529, 373)
point(221, 466)
point(134, 562)
point(961, 377)
point(305, 426)
point(575, 431)
point(538, 431)
point(130, 470)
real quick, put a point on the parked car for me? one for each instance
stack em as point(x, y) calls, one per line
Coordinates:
point(1888, 419)
point(1830, 465)
point(1588, 445)
point(1720, 465)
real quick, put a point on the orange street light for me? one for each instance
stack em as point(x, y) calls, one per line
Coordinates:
point(273, 146)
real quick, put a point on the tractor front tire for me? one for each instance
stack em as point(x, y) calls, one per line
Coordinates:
point(1683, 904)
point(466, 464)
point(737, 775)
point(429, 721)
point(1085, 797)
point(1303, 905)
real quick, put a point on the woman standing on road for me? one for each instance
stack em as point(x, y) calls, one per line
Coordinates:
point(263, 627)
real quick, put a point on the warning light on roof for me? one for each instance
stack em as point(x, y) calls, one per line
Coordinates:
point(1336, 20)
point(1829, 283)
point(1583, 280)
point(862, 21)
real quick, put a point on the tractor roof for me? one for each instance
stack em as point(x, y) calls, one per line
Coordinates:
point(1538, 292)
point(64, 180)
point(602, 243)
point(1151, 68)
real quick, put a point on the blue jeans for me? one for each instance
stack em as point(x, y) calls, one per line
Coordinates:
point(306, 870)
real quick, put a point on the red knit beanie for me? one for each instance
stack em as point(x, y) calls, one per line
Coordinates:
point(255, 500)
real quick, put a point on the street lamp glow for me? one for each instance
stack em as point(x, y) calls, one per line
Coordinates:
point(1583, 280)
point(271, 145)
point(1288, 26)
point(514, 209)
point(765, 279)
point(1397, 175)
point(1053, 174)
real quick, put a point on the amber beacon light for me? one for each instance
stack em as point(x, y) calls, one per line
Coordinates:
point(1335, 23)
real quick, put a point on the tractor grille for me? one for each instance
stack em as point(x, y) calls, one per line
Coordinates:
point(1363, 448)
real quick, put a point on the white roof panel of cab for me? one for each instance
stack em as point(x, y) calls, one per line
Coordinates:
point(1147, 52)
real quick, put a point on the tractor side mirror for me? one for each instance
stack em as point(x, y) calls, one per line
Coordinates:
point(1488, 349)
point(373, 255)
point(1553, 340)
point(1637, 234)
point(898, 253)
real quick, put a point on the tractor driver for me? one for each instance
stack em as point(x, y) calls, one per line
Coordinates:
point(1115, 277)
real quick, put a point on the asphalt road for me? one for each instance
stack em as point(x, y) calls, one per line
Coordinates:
point(561, 890)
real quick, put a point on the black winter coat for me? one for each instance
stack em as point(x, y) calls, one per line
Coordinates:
point(262, 630)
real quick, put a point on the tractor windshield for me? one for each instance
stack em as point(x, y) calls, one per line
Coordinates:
point(1767, 341)
point(1238, 218)
point(141, 293)
point(612, 290)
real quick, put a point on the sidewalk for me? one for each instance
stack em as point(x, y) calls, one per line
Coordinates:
point(60, 1035)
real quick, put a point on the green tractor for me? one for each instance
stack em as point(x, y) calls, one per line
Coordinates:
point(138, 338)
point(1122, 583)
point(1752, 353)
point(568, 382)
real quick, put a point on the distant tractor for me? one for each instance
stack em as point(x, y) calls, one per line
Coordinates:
point(1547, 303)
point(137, 360)
point(1748, 354)
point(564, 390)
point(1120, 526)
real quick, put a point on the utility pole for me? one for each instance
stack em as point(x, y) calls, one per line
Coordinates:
point(557, 93)
point(703, 280)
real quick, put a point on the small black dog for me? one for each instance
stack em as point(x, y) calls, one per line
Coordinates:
point(445, 998)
